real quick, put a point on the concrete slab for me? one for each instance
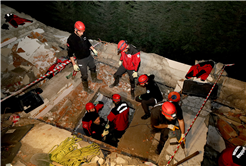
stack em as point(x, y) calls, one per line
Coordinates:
point(137, 139)
point(215, 140)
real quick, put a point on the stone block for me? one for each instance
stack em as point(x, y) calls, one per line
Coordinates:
point(215, 140)
point(238, 142)
point(110, 48)
point(234, 118)
point(226, 130)
point(243, 118)
point(26, 80)
point(5, 51)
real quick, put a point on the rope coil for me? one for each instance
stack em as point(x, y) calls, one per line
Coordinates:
point(68, 154)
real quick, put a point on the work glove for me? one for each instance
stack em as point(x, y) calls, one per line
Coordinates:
point(134, 74)
point(172, 127)
point(105, 132)
point(76, 67)
point(95, 52)
point(96, 102)
point(120, 62)
point(107, 126)
point(182, 136)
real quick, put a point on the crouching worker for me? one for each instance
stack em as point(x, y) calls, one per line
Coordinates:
point(87, 121)
point(99, 128)
point(168, 117)
point(151, 97)
point(118, 119)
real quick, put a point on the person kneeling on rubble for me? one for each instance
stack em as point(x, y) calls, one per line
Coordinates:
point(168, 117)
point(118, 119)
point(151, 97)
point(99, 128)
point(87, 121)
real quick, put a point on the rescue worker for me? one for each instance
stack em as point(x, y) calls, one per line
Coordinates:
point(129, 62)
point(166, 117)
point(118, 117)
point(151, 97)
point(99, 128)
point(87, 121)
point(79, 45)
point(233, 156)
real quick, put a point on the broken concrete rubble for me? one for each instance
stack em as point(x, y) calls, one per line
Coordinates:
point(65, 99)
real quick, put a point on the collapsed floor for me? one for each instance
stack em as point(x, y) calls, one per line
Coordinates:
point(66, 108)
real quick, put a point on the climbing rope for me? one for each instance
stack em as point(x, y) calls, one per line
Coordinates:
point(68, 154)
point(198, 112)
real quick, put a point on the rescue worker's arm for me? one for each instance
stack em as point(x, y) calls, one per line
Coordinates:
point(72, 60)
point(160, 126)
point(136, 61)
point(182, 125)
point(182, 128)
point(94, 50)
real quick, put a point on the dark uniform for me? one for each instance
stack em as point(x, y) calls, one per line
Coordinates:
point(118, 118)
point(152, 96)
point(87, 121)
point(97, 130)
point(158, 118)
point(80, 46)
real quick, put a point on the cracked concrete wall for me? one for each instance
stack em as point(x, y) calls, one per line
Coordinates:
point(232, 93)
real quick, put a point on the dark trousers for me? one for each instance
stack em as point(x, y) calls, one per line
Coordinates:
point(146, 103)
point(113, 137)
point(121, 70)
point(165, 133)
point(83, 63)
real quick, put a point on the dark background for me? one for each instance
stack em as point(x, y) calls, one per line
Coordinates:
point(181, 31)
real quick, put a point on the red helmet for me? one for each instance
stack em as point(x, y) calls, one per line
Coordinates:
point(169, 109)
point(174, 96)
point(79, 26)
point(143, 79)
point(89, 106)
point(116, 97)
point(122, 45)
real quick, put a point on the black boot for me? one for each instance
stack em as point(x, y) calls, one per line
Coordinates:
point(86, 88)
point(132, 94)
point(159, 149)
point(146, 116)
point(94, 77)
point(116, 82)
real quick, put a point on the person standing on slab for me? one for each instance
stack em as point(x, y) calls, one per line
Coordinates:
point(79, 45)
point(168, 117)
point(129, 62)
point(151, 97)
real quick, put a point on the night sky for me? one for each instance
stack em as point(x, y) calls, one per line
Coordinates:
point(40, 11)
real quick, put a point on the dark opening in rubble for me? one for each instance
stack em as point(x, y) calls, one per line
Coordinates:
point(108, 106)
